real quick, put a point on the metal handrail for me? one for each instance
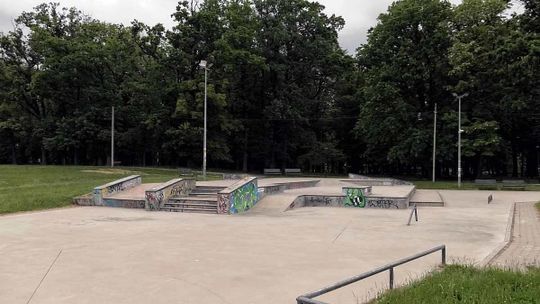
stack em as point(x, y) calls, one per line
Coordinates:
point(308, 298)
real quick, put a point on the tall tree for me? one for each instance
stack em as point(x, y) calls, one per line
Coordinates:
point(406, 69)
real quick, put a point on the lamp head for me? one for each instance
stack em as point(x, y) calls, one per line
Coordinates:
point(460, 96)
point(202, 64)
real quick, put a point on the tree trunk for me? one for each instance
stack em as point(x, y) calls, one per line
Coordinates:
point(521, 166)
point(75, 157)
point(245, 156)
point(514, 163)
point(13, 154)
point(479, 172)
point(43, 156)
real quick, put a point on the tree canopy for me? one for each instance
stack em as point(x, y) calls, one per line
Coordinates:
point(282, 93)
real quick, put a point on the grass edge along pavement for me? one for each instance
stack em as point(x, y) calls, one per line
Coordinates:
point(537, 206)
point(32, 187)
point(466, 185)
point(468, 284)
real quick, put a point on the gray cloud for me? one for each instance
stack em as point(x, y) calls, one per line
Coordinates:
point(359, 15)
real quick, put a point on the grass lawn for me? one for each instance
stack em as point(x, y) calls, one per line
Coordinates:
point(24, 188)
point(452, 185)
point(446, 185)
point(466, 284)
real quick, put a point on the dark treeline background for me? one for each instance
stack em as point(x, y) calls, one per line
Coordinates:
point(282, 93)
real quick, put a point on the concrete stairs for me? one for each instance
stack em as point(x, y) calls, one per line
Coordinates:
point(203, 199)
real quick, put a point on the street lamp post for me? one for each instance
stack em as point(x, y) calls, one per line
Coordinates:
point(459, 97)
point(203, 65)
point(112, 137)
point(434, 141)
point(538, 160)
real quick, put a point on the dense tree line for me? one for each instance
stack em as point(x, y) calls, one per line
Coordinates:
point(281, 91)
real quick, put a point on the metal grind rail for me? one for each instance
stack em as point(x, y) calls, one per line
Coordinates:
point(308, 298)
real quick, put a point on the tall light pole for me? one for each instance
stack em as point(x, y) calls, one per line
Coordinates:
point(434, 140)
point(459, 97)
point(203, 65)
point(112, 137)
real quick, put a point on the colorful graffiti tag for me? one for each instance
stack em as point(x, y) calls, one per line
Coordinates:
point(243, 198)
point(121, 186)
point(223, 203)
point(355, 198)
point(154, 200)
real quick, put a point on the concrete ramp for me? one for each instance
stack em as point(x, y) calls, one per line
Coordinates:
point(274, 204)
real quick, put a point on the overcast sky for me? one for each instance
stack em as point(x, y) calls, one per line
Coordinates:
point(359, 15)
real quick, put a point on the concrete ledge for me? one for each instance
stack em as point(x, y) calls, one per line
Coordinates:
point(374, 181)
point(318, 201)
point(366, 190)
point(116, 186)
point(157, 196)
point(280, 187)
point(84, 200)
point(381, 202)
point(123, 203)
point(386, 202)
point(239, 197)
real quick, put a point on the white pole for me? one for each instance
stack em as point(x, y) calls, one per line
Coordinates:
point(204, 138)
point(112, 137)
point(459, 142)
point(434, 140)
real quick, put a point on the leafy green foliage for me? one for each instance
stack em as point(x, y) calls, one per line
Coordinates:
point(466, 284)
point(406, 71)
point(281, 92)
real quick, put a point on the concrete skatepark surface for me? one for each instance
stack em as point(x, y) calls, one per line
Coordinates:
point(113, 255)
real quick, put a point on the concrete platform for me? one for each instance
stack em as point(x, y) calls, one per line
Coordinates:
point(427, 198)
point(109, 255)
point(135, 193)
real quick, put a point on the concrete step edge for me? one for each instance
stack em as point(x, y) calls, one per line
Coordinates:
point(188, 205)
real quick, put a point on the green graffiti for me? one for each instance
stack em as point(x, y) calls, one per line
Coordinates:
point(244, 198)
point(355, 198)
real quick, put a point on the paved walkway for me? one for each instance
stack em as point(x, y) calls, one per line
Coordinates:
point(524, 247)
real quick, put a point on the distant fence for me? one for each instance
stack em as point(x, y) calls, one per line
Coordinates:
point(308, 298)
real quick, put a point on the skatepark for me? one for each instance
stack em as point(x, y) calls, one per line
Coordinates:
point(271, 251)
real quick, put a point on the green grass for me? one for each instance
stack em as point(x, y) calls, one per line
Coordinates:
point(538, 206)
point(452, 185)
point(467, 284)
point(25, 188)
point(446, 185)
